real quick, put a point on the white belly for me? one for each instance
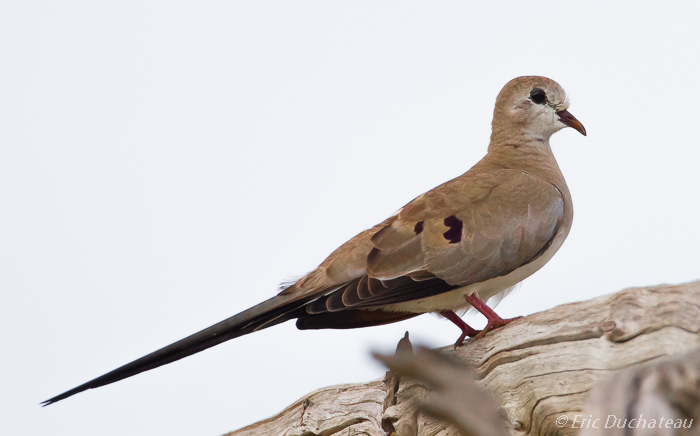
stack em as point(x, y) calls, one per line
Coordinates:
point(497, 287)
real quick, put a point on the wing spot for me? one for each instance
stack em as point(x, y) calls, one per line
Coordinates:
point(454, 235)
point(418, 228)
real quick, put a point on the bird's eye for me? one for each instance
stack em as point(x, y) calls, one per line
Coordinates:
point(538, 96)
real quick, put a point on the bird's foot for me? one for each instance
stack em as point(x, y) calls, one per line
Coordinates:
point(466, 329)
point(472, 334)
point(494, 324)
point(494, 321)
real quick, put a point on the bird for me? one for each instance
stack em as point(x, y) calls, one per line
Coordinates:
point(448, 250)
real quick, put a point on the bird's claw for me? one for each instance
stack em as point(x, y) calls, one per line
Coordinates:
point(495, 324)
point(460, 341)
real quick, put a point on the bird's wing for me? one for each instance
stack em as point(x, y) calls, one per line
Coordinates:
point(458, 234)
point(464, 238)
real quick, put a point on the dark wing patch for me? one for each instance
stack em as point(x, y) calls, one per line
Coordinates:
point(454, 234)
point(418, 228)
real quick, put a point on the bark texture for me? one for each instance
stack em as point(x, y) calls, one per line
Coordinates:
point(537, 369)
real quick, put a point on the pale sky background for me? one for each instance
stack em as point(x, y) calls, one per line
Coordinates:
point(164, 165)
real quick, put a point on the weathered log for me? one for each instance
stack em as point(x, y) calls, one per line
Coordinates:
point(660, 398)
point(657, 398)
point(537, 368)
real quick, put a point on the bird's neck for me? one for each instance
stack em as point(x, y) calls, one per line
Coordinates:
point(515, 138)
point(528, 153)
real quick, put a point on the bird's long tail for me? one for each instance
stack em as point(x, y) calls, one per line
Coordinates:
point(266, 314)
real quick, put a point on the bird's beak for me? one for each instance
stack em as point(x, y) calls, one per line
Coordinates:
point(571, 121)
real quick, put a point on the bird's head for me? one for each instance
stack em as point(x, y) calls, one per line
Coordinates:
point(534, 107)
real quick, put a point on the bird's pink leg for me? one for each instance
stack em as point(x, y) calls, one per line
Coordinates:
point(466, 330)
point(494, 321)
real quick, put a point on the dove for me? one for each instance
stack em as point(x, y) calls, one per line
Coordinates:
point(453, 248)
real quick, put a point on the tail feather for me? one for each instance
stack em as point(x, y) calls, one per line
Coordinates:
point(266, 314)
